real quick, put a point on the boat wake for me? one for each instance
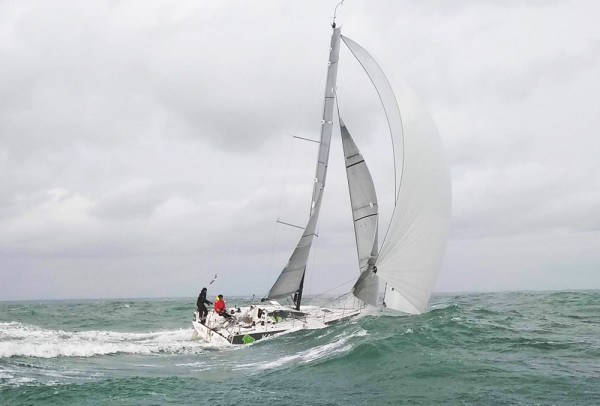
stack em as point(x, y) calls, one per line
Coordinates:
point(22, 340)
point(339, 344)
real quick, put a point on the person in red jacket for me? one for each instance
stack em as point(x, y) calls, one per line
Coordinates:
point(220, 308)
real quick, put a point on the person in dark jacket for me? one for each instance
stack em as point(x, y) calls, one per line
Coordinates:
point(202, 310)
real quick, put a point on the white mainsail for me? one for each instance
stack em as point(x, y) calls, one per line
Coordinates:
point(413, 248)
point(365, 213)
point(291, 278)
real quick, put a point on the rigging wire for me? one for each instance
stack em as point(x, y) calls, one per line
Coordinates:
point(336, 287)
point(304, 108)
point(275, 233)
point(315, 250)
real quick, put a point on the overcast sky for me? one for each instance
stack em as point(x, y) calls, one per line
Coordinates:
point(147, 145)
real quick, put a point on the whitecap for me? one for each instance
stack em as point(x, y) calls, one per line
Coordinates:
point(17, 339)
point(340, 345)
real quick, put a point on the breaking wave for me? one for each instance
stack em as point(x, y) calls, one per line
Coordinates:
point(340, 344)
point(21, 340)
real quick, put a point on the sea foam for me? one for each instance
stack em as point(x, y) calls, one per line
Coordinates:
point(338, 345)
point(17, 339)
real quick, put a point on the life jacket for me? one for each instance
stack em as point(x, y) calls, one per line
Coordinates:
point(219, 305)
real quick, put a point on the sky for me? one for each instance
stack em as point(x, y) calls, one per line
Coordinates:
point(146, 146)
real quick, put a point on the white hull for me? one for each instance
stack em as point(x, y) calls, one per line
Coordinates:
point(251, 323)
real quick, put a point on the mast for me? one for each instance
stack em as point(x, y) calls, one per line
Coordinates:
point(298, 295)
point(290, 281)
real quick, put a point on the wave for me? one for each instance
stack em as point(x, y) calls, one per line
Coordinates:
point(339, 344)
point(21, 340)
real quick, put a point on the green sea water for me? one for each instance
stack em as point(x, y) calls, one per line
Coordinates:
point(482, 349)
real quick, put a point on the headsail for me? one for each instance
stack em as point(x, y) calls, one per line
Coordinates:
point(291, 278)
point(412, 252)
point(365, 213)
point(388, 101)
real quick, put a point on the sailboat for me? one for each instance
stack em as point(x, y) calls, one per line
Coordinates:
point(408, 262)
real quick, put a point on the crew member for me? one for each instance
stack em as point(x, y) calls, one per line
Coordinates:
point(200, 304)
point(220, 307)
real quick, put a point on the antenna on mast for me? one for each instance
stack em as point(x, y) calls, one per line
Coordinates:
point(335, 12)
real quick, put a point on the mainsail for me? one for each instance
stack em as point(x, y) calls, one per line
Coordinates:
point(365, 213)
point(291, 278)
point(413, 248)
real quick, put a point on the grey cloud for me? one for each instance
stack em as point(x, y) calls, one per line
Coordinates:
point(137, 200)
point(146, 144)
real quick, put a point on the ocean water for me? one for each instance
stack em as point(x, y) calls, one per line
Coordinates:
point(483, 349)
